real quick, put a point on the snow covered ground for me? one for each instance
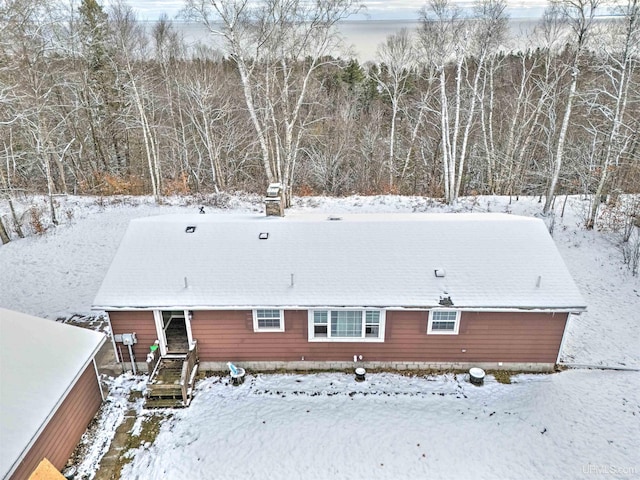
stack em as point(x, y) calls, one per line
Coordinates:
point(328, 426)
point(576, 424)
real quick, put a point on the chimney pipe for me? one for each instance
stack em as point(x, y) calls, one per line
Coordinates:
point(274, 201)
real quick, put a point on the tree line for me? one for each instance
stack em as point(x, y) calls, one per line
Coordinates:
point(92, 101)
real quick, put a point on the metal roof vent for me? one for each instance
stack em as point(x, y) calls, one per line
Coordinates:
point(334, 218)
point(440, 272)
point(190, 229)
point(263, 235)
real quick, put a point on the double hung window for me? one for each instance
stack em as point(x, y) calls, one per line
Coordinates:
point(443, 322)
point(268, 320)
point(346, 325)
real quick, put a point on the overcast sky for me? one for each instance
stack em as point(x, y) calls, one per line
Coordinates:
point(376, 9)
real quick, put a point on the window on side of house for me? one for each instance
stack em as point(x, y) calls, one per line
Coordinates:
point(268, 320)
point(443, 322)
point(372, 325)
point(346, 325)
point(320, 324)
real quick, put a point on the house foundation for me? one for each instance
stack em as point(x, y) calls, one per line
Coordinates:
point(372, 366)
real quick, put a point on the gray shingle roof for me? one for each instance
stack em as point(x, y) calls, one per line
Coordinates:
point(492, 261)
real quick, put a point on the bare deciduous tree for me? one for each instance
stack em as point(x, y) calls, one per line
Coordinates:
point(277, 46)
point(443, 40)
point(579, 17)
point(397, 60)
point(450, 39)
point(128, 36)
point(620, 55)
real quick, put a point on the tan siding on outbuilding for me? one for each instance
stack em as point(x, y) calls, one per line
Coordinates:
point(61, 435)
point(486, 337)
point(143, 324)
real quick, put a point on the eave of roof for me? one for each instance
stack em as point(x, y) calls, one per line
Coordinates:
point(467, 308)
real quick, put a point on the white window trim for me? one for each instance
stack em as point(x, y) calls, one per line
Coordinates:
point(363, 338)
point(256, 328)
point(160, 328)
point(443, 332)
point(157, 317)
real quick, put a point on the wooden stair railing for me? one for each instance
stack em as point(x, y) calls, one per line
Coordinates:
point(171, 385)
point(153, 362)
point(189, 371)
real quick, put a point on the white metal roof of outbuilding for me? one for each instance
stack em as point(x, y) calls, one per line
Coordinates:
point(40, 361)
point(490, 261)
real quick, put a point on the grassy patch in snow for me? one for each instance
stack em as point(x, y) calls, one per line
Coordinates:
point(135, 395)
point(142, 435)
point(149, 429)
point(502, 376)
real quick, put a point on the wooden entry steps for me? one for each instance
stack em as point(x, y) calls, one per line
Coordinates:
point(171, 381)
point(164, 390)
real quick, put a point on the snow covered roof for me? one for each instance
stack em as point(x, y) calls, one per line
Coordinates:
point(40, 360)
point(493, 261)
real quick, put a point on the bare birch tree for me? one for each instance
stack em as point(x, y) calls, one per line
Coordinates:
point(620, 56)
point(442, 40)
point(6, 184)
point(168, 47)
point(397, 60)
point(579, 17)
point(490, 29)
point(128, 37)
point(205, 110)
point(277, 46)
point(463, 42)
point(538, 82)
point(36, 100)
point(4, 235)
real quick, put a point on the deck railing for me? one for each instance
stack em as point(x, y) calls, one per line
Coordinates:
point(189, 370)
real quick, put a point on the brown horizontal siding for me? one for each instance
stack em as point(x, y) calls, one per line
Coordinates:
point(61, 435)
point(229, 335)
point(143, 324)
point(486, 337)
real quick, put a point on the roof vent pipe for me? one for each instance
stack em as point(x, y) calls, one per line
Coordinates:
point(186, 283)
point(539, 281)
point(292, 279)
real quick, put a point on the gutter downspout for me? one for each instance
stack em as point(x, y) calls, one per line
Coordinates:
point(113, 339)
point(95, 367)
point(564, 337)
